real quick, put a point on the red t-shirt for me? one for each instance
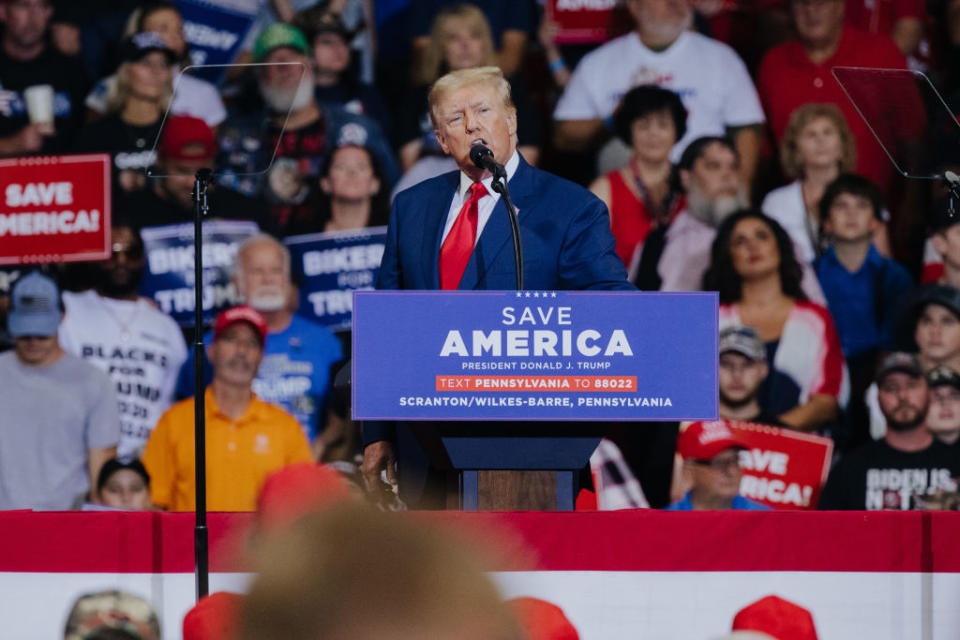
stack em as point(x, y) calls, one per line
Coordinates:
point(630, 222)
point(788, 79)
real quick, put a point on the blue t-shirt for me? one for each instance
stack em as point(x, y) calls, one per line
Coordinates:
point(865, 304)
point(739, 503)
point(294, 374)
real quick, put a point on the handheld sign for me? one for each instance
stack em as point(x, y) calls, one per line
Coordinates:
point(168, 279)
point(330, 266)
point(588, 21)
point(781, 468)
point(215, 34)
point(55, 209)
point(534, 355)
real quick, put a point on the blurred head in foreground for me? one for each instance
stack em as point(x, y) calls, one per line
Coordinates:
point(351, 573)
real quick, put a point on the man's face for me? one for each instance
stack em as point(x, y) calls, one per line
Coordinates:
point(331, 52)
point(120, 274)
point(719, 477)
point(126, 489)
point(236, 355)
point(36, 351)
point(284, 82)
point(474, 114)
point(938, 334)
point(25, 21)
point(851, 218)
point(739, 378)
point(713, 185)
point(819, 22)
point(179, 175)
point(664, 20)
point(943, 417)
point(263, 279)
point(903, 400)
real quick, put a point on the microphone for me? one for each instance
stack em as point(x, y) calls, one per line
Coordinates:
point(482, 157)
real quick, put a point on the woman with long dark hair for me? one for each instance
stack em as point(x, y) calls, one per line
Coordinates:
point(755, 271)
point(353, 193)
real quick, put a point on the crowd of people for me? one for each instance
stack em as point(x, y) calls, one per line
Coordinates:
point(726, 159)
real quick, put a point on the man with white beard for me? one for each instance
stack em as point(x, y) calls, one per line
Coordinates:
point(676, 259)
point(289, 120)
point(298, 354)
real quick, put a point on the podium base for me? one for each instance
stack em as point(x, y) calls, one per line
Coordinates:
point(512, 490)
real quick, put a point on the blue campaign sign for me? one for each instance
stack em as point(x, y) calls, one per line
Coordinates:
point(330, 266)
point(214, 34)
point(168, 279)
point(534, 355)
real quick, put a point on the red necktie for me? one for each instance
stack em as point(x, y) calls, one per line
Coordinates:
point(458, 245)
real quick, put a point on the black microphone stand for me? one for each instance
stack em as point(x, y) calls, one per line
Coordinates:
point(500, 186)
point(201, 207)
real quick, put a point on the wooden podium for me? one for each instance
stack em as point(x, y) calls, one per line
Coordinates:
point(495, 466)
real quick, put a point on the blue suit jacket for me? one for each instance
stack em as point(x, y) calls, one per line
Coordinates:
point(565, 230)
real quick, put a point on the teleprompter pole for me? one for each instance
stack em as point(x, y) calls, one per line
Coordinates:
point(200, 539)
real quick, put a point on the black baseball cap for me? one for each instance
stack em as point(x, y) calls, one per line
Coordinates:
point(137, 46)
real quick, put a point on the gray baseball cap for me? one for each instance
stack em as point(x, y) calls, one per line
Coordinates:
point(742, 340)
point(35, 309)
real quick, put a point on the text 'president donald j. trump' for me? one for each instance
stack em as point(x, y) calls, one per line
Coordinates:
point(453, 231)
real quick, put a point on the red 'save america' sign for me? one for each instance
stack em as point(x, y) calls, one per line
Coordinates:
point(55, 209)
point(583, 21)
point(781, 468)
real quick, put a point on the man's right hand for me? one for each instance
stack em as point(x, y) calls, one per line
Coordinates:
point(378, 456)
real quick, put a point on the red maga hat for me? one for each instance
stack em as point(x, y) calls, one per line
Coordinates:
point(776, 617)
point(704, 440)
point(243, 313)
point(187, 138)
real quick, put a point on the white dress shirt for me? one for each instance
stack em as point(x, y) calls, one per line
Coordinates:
point(487, 202)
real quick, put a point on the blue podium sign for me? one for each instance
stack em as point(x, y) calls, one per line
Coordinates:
point(534, 355)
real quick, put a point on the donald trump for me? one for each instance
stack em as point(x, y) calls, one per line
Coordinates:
point(453, 231)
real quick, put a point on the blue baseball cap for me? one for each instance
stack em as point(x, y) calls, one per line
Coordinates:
point(36, 307)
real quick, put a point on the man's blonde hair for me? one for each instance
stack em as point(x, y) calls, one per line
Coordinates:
point(799, 119)
point(456, 80)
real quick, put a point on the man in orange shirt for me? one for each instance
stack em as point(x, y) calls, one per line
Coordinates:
point(247, 438)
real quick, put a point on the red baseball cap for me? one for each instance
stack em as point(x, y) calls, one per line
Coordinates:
point(299, 489)
point(776, 617)
point(542, 620)
point(187, 138)
point(704, 440)
point(243, 313)
point(214, 617)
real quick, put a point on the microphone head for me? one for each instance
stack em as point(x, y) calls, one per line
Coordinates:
point(481, 156)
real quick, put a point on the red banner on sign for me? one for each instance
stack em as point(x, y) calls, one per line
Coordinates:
point(585, 21)
point(781, 468)
point(55, 209)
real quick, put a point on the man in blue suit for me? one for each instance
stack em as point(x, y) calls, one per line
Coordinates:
point(453, 232)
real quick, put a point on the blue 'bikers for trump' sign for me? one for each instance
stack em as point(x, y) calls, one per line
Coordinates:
point(534, 355)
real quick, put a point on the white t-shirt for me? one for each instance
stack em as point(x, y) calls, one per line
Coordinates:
point(141, 349)
point(709, 77)
point(786, 206)
point(192, 96)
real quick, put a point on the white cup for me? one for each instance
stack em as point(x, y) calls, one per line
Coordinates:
point(39, 99)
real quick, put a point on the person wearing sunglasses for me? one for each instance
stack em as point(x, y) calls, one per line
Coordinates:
point(711, 460)
point(114, 329)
